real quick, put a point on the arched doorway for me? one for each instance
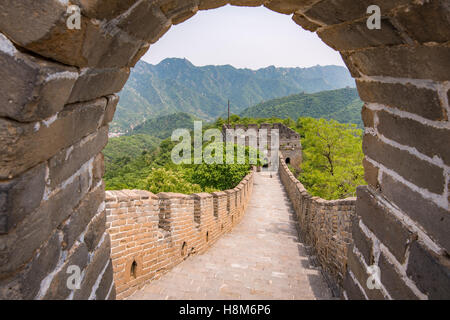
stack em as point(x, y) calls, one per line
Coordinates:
point(58, 96)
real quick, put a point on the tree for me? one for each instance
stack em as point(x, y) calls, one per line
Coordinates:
point(332, 158)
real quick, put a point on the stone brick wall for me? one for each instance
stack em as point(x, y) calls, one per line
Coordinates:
point(57, 91)
point(324, 225)
point(52, 211)
point(289, 143)
point(150, 234)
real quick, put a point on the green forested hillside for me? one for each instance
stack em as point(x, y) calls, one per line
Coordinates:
point(342, 105)
point(176, 85)
point(124, 149)
point(154, 171)
point(162, 127)
point(332, 161)
point(332, 154)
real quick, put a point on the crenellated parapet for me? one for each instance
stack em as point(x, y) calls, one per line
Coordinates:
point(287, 140)
point(150, 234)
point(325, 225)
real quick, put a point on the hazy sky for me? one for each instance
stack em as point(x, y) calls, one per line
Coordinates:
point(245, 38)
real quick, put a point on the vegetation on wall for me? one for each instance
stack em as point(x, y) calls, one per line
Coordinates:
point(331, 169)
point(154, 171)
point(332, 154)
point(332, 158)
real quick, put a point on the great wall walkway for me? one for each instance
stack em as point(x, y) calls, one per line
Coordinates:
point(261, 258)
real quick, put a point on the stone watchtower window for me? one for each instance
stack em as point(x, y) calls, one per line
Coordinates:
point(288, 160)
point(133, 269)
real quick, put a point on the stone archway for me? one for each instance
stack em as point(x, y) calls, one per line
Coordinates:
point(57, 96)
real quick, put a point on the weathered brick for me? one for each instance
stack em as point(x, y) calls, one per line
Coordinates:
point(98, 169)
point(20, 244)
point(427, 21)
point(46, 33)
point(360, 272)
point(430, 272)
point(81, 217)
point(25, 145)
point(64, 164)
point(302, 21)
point(428, 140)
point(113, 100)
point(352, 289)
point(46, 15)
point(356, 35)
point(407, 97)
point(112, 294)
point(103, 9)
point(94, 83)
point(382, 223)
point(93, 270)
point(367, 116)
point(393, 282)
point(211, 4)
point(448, 193)
point(111, 48)
point(362, 242)
point(371, 174)
point(58, 289)
point(20, 196)
point(246, 3)
point(333, 12)
point(179, 11)
point(420, 172)
point(434, 219)
point(105, 283)
point(26, 284)
point(31, 88)
point(351, 66)
point(95, 231)
point(146, 21)
point(289, 6)
point(418, 62)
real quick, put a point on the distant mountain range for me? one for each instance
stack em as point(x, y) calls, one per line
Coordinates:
point(176, 85)
point(342, 105)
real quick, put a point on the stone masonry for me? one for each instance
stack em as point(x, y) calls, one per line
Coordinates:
point(325, 226)
point(151, 234)
point(288, 144)
point(261, 258)
point(57, 96)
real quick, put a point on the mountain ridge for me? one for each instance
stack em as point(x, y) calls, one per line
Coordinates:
point(176, 85)
point(342, 105)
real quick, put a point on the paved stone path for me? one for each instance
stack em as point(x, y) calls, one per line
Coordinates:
point(261, 258)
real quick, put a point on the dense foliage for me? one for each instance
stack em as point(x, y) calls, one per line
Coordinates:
point(332, 154)
point(176, 85)
point(342, 105)
point(162, 127)
point(331, 169)
point(121, 150)
point(155, 171)
point(332, 158)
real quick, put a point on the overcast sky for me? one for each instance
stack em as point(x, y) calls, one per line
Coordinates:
point(245, 38)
